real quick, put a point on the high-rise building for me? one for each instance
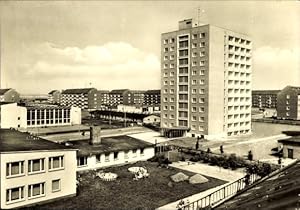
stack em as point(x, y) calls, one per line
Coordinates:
point(205, 81)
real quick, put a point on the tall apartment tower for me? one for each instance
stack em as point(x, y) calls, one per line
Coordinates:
point(205, 82)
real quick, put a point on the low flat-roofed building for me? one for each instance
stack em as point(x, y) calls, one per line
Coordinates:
point(34, 170)
point(111, 151)
point(13, 115)
point(291, 147)
point(152, 119)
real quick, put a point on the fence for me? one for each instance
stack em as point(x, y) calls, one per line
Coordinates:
point(221, 194)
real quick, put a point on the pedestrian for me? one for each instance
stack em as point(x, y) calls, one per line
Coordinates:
point(221, 149)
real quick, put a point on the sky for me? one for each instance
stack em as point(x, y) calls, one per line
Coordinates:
point(116, 44)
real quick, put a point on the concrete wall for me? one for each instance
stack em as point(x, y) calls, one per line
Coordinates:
point(296, 151)
point(216, 82)
point(67, 175)
point(13, 116)
point(93, 164)
point(75, 116)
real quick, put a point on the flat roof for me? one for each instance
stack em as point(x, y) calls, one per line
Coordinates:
point(109, 144)
point(16, 141)
point(295, 140)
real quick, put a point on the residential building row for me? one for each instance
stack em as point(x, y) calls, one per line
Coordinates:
point(264, 99)
point(13, 115)
point(91, 98)
point(205, 81)
point(9, 95)
point(34, 170)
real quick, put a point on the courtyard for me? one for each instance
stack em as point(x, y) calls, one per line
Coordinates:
point(125, 193)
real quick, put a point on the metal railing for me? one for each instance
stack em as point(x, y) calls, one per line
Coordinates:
point(221, 194)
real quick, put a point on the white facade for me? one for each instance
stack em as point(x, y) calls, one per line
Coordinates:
point(108, 159)
point(14, 116)
point(126, 108)
point(151, 119)
point(44, 184)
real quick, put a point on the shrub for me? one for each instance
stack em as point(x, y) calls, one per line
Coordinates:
point(214, 160)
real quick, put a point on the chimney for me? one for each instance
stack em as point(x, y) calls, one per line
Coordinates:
point(95, 135)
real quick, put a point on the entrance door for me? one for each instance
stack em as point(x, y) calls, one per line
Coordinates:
point(290, 153)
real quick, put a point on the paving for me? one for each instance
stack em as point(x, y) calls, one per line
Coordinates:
point(151, 137)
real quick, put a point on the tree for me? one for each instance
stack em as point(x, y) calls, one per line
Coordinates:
point(221, 149)
point(197, 144)
point(250, 155)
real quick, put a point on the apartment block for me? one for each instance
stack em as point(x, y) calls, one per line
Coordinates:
point(54, 96)
point(264, 98)
point(34, 170)
point(104, 97)
point(85, 98)
point(9, 95)
point(137, 98)
point(152, 97)
point(205, 81)
point(288, 103)
point(120, 96)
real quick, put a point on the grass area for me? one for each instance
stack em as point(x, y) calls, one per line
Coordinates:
point(125, 193)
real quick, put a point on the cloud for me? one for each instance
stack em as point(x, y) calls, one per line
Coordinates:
point(275, 67)
point(109, 66)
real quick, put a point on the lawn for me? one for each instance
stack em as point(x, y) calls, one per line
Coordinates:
point(125, 193)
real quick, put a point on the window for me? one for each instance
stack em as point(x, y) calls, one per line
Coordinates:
point(165, 107)
point(194, 63)
point(201, 128)
point(172, 99)
point(37, 165)
point(194, 90)
point(166, 49)
point(194, 118)
point(201, 91)
point(183, 52)
point(166, 41)
point(166, 82)
point(171, 91)
point(202, 54)
point(165, 99)
point(134, 153)
point(201, 100)
point(142, 151)
point(98, 158)
point(172, 40)
point(194, 72)
point(172, 57)
point(107, 157)
point(194, 36)
point(202, 44)
point(56, 162)
point(165, 66)
point(172, 82)
point(201, 109)
point(36, 190)
point(201, 81)
point(172, 49)
point(116, 155)
point(166, 57)
point(201, 119)
point(194, 54)
point(287, 108)
point(202, 35)
point(194, 45)
point(56, 185)
point(15, 194)
point(82, 161)
point(172, 107)
point(202, 63)
point(194, 82)
point(166, 74)
point(126, 155)
point(172, 65)
point(165, 90)
point(194, 100)
point(194, 109)
point(15, 168)
point(201, 72)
